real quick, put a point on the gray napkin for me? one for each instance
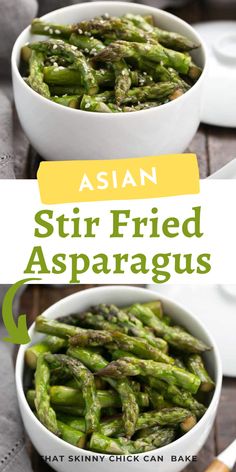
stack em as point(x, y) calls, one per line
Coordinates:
point(13, 454)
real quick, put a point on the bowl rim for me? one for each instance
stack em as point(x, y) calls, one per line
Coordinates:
point(120, 288)
point(154, 10)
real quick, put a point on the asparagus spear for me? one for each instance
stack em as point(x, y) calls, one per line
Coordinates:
point(110, 318)
point(158, 92)
point(130, 407)
point(43, 28)
point(74, 422)
point(55, 328)
point(166, 38)
point(104, 444)
point(89, 103)
point(73, 56)
point(122, 80)
point(35, 79)
point(179, 339)
point(62, 76)
point(49, 344)
point(85, 381)
point(44, 410)
point(128, 366)
point(177, 396)
point(70, 397)
point(139, 347)
point(166, 417)
point(71, 101)
point(88, 44)
point(71, 435)
point(154, 52)
point(196, 365)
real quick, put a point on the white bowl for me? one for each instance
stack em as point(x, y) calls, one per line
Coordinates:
point(60, 133)
point(47, 443)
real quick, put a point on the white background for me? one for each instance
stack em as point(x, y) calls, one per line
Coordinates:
point(20, 201)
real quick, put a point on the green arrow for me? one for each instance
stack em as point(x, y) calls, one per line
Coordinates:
point(18, 333)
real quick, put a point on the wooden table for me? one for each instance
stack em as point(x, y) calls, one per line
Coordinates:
point(214, 147)
point(39, 297)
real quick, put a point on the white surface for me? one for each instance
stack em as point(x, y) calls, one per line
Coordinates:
point(219, 97)
point(46, 443)
point(228, 456)
point(218, 226)
point(215, 306)
point(60, 133)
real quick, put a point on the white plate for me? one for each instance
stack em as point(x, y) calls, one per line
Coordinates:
point(219, 100)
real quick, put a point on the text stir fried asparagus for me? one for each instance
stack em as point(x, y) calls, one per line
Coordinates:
point(109, 64)
point(118, 381)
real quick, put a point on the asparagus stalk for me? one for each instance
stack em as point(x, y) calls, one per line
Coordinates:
point(110, 318)
point(51, 29)
point(49, 344)
point(195, 365)
point(139, 347)
point(130, 407)
point(62, 76)
point(104, 444)
point(73, 56)
point(88, 45)
point(128, 366)
point(85, 381)
point(35, 79)
point(122, 80)
point(166, 417)
point(166, 38)
point(45, 412)
point(70, 397)
point(71, 435)
point(55, 328)
point(154, 52)
point(177, 396)
point(74, 422)
point(179, 339)
point(71, 101)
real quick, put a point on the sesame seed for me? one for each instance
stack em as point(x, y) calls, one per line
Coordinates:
point(61, 68)
point(54, 46)
point(80, 31)
point(65, 95)
point(55, 64)
point(50, 30)
point(57, 31)
point(74, 48)
point(46, 28)
point(87, 105)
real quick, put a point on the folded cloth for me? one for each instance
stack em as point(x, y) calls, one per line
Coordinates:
point(13, 453)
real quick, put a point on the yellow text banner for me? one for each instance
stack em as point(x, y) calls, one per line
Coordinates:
point(118, 179)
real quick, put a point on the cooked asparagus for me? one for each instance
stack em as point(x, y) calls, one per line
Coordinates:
point(130, 407)
point(85, 381)
point(134, 53)
point(44, 410)
point(130, 366)
point(49, 344)
point(195, 365)
point(138, 346)
point(179, 339)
